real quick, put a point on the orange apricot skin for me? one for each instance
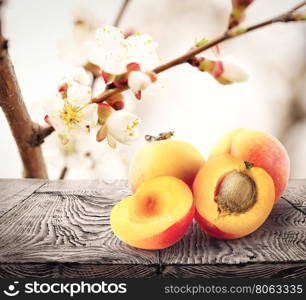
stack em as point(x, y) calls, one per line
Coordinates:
point(211, 229)
point(170, 236)
point(261, 149)
point(165, 158)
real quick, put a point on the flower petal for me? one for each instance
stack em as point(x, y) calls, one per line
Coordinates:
point(138, 81)
point(142, 49)
point(233, 71)
point(123, 126)
point(111, 53)
point(78, 94)
point(111, 141)
point(77, 75)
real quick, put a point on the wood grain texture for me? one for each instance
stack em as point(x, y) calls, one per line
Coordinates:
point(115, 189)
point(292, 270)
point(54, 270)
point(12, 191)
point(46, 270)
point(62, 227)
point(281, 239)
point(76, 270)
point(108, 271)
point(296, 194)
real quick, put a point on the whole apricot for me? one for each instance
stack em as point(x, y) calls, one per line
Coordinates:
point(165, 158)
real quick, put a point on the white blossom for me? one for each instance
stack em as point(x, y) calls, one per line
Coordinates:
point(77, 75)
point(142, 49)
point(113, 51)
point(78, 94)
point(138, 81)
point(122, 126)
point(69, 112)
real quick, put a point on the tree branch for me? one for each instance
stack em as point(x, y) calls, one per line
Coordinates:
point(286, 17)
point(16, 113)
point(121, 13)
point(63, 173)
point(39, 135)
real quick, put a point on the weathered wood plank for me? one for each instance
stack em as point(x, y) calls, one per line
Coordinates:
point(281, 239)
point(296, 194)
point(51, 227)
point(292, 270)
point(61, 229)
point(111, 189)
point(29, 270)
point(12, 191)
point(49, 270)
point(71, 270)
point(108, 271)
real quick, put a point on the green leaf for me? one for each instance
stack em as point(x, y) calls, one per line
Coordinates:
point(240, 30)
point(248, 165)
point(202, 42)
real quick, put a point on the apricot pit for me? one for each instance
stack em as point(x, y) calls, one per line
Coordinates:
point(237, 193)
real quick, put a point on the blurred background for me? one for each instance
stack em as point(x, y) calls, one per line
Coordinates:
point(44, 45)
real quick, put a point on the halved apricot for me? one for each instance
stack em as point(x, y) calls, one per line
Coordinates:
point(232, 197)
point(156, 216)
point(262, 150)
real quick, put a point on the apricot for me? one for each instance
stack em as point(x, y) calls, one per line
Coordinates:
point(165, 158)
point(156, 216)
point(232, 197)
point(262, 150)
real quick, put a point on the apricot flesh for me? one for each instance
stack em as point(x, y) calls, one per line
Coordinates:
point(156, 216)
point(224, 221)
point(165, 158)
point(262, 150)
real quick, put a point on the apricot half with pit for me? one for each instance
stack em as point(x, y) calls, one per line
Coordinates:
point(165, 158)
point(262, 150)
point(156, 216)
point(232, 197)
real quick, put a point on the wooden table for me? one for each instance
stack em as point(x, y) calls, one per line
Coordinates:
point(61, 229)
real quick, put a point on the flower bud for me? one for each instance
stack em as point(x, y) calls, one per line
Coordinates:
point(104, 111)
point(120, 80)
point(233, 72)
point(139, 81)
point(118, 105)
point(63, 87)
point(137, 95)
point(107, 77)
point(133, 66)
point(238, 12)
point(225, 71)
point(116, 101)
point(299, 17)
point(47, 120)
